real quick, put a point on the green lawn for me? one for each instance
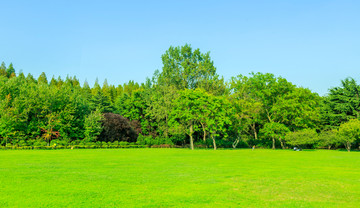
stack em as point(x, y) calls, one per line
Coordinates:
point(179, 178)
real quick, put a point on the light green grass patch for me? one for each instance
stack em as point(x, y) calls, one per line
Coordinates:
point(179, 178)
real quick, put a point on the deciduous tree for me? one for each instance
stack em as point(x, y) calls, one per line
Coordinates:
point(349, 132)
point(274, 130)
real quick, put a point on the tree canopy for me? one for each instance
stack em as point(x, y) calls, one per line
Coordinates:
point(185, 103)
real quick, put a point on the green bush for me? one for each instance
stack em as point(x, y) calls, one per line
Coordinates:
point(58, 142)
point(150, 141)
point(305, 138)
point(328, 139)
point(143, 140)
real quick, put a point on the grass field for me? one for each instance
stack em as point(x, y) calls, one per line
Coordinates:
point(179, 178)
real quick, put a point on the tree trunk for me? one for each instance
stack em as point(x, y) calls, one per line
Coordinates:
point(282, 143)
point(204, 130)
point(348, 146)
point(235, 143)
point(214, 142)
point(167, 127)
point(166, 133)
point(268, 115)
point(273, 145)
point(191, 138)
point(253, 126)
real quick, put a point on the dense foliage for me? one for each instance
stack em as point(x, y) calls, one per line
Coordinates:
point(185, 103)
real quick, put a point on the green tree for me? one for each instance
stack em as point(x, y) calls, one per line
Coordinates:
point(247, 108)
point(53, 82)
point(106, 91)
point(30, 79)
point(130, 87)
point(298, 109)
point(255, 96)
point(303, 138)
point(216, 116)
point(10, 71)
point(86, 88)
point(7, 120)
point(101, 102)
point(60, 82)
point(342, 103)
point(133, 107)
point(349, 132)
point(275, 131)
point(160, 105)
point(184, 116)
point(268, 89)
point(93, 126)
point(42, 78)
point(3, 69)
point(186, 68)
point(211, 112)
point(329, 138)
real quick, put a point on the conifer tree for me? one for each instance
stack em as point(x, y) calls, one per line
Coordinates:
point(42, 79)
point(10, 71)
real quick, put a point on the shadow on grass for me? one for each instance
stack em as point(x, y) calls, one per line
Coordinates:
point(345, 150)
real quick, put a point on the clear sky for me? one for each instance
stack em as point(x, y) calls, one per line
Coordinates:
point(312, 43)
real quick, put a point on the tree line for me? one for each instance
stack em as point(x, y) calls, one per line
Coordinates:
point(186, 103)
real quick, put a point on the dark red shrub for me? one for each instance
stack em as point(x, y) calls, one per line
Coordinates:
point(136, 125)
point(117, 128)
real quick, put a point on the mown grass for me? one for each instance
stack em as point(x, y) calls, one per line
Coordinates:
point(179, 178)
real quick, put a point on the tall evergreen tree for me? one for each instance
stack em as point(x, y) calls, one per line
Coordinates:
point(42, 78)
point(10, 71)
point(3, 69)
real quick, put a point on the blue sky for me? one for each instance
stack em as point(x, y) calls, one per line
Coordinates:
point(313, 44)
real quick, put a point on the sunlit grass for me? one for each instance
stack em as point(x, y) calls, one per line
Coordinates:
point(179, 178)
